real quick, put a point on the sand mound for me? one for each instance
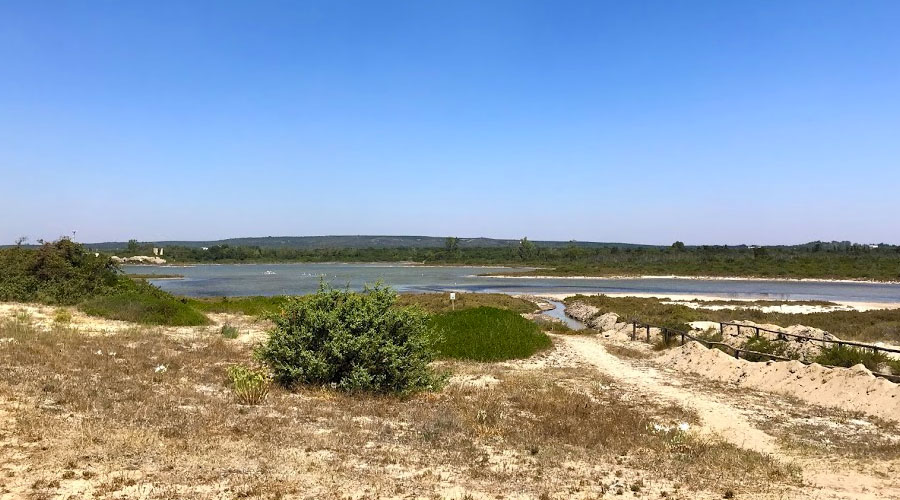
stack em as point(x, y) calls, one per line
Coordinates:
point(852, 389)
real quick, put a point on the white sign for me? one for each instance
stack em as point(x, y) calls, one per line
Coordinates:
point(452, 295)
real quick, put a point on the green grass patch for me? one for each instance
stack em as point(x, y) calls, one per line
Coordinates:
point(487, 334)
point(144, 307)
point(251, 306)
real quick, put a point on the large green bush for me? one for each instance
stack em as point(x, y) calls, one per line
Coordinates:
point(65, 273)
point(352, 341)
point(62, 272)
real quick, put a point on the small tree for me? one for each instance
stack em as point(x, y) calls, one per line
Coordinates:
point(527, 249)
point(451, 246)
point(353, 341)
point(678, 246)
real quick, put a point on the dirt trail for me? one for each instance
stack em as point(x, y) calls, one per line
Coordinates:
point(717, 418)
point(828, 480)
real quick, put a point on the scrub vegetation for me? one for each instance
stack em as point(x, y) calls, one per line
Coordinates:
point(65, 273)
point(79, 410)
point(875, 325)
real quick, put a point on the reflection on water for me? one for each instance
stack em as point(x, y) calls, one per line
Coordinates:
point(294, 279)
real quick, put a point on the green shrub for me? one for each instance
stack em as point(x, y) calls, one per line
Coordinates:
point(353, 341)
point(839, 355)
point(62, 317)
point(250, 384)
point(62, 272)
point(229, 332)
point(488, 334)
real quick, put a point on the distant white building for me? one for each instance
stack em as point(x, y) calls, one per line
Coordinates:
point(157, 251)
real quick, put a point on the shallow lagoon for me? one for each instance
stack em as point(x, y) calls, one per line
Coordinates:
point(217, 280)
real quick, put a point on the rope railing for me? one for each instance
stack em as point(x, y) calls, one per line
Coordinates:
point(669, 333)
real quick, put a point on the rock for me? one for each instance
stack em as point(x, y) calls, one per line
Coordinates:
point(138, 259)
point(581, 311)
point(604, 322)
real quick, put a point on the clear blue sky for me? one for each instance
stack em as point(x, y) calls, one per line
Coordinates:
point(708, 122)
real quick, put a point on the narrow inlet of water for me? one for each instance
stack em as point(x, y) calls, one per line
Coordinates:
point(559, 312)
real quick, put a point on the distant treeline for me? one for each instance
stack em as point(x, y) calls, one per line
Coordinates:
point(838, 260)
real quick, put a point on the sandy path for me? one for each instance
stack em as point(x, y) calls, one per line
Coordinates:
point(716, 417)
point(828, 480)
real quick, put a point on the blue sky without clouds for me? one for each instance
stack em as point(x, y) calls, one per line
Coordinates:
point(645, 121)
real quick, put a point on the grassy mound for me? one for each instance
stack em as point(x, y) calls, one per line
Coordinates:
point(487, 334)
point(144, 307)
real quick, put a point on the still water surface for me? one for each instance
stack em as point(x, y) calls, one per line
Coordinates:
point(281, 279)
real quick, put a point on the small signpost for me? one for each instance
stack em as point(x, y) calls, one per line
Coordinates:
point(453, 300)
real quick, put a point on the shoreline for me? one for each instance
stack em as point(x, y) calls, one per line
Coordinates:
point(372, 264)
point(698, 278)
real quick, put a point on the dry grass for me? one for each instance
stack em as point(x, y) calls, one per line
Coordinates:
point(98, 416)
point(627, 352)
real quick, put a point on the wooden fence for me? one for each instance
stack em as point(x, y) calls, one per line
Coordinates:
point(669, 333)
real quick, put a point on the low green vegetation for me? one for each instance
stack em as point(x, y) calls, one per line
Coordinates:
point(229, 331)
point(646, 310)
point(64, 273)
point(487, 334)
point(430, 302)
point(251, 306)
point(352, 341)
point(249, 384)
point(145, 305)
point(440, 302)
point(763, 345)
point(872, 325)
point(154, 276)
point(547, 325)
point(839, 355)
